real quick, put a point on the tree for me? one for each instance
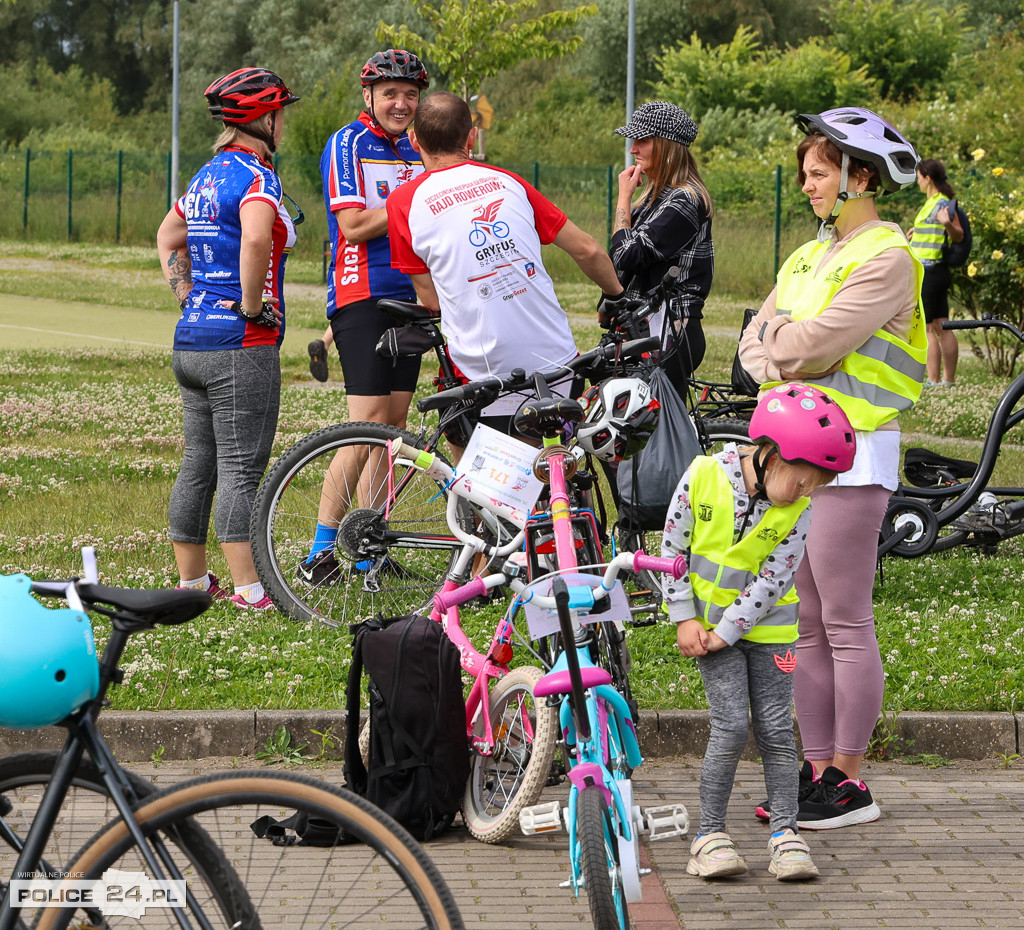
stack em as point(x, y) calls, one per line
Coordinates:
point(906, 47)
point(477, 39)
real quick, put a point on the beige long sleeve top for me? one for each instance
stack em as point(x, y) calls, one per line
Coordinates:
point(881, 294)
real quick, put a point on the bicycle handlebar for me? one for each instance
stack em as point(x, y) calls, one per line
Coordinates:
point(484, 391)
point(985, 322)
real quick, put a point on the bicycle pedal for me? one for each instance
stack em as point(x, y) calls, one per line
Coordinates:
point(637, 622)
point(667, 821)
point(541, 818)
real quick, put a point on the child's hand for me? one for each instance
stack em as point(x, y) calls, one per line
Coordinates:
point(715, 642)
point(692, 638)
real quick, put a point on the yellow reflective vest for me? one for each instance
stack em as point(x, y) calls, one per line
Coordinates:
point(881, 378)
point(929, 233)
point(721, 568)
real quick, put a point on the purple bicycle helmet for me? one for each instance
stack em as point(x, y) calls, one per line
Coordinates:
point(806, 425)
point(865, 135)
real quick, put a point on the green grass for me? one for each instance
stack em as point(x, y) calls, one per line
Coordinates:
point(92, 443)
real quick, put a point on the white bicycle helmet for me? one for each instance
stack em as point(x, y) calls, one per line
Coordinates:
point(865, 135)
point(621, 415)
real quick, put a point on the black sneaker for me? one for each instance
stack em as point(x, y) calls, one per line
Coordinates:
point(323, 568)
point(808, 786)
point(317, 359)
point(840, 802)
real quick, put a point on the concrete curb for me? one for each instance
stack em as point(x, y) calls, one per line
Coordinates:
point(195, 734)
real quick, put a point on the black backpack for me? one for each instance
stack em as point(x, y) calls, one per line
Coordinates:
point(419, 756)
point(956, 254)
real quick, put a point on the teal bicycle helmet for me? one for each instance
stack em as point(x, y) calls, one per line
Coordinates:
point(49, 658)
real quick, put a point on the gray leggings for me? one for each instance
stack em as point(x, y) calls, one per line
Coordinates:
point(231, 399)
point(744, 684)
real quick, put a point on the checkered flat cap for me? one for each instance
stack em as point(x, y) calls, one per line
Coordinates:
point(659, 118)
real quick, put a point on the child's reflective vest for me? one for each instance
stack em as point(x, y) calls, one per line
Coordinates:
point(881, 378)
point(720, 569)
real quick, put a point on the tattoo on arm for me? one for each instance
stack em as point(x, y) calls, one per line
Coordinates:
point(180, 273)
point(621, 220)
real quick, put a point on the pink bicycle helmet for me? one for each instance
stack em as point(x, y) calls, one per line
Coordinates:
point(806, 425)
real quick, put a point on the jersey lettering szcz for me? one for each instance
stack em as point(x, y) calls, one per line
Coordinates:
point(478, 230)
point(211, 208)
point(361, 167)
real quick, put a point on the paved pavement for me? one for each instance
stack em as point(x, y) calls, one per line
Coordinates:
point(946, 853)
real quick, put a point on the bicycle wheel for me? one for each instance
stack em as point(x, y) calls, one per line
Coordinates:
point(87, 806)
point(514, 775)
point(381, 876)
point(650, 585)
point(599, 854)
point(394, 546)
point(24, 777)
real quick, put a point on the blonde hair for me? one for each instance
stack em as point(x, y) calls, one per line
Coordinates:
point(673, 165)
point(230, 133)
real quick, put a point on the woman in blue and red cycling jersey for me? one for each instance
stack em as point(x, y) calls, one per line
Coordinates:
point(222, 248)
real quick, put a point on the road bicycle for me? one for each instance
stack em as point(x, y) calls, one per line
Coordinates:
point(949, 502)
point(66, 820)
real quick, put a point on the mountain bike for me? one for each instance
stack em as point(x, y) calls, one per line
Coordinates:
point(949, 502)
point(207, 852)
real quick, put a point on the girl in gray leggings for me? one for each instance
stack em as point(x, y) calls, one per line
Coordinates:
point(741, 519)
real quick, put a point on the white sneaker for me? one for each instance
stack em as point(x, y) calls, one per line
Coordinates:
point(714, 855)
point(791, 858)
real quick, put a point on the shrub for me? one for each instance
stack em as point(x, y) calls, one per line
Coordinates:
point(993, 280)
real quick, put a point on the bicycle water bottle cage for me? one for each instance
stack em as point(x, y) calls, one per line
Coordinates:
point(546, 416)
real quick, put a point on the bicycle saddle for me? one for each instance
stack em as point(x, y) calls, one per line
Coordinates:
point(149, 608)
point(405, 311)
point(542, 416)
point(926, 469)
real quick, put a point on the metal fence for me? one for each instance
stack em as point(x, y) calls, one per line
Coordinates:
point(121, 197)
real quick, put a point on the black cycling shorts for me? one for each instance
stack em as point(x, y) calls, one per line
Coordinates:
point(357, 328)
point(935, 292)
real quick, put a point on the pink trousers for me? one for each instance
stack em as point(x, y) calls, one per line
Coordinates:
point(838, 682)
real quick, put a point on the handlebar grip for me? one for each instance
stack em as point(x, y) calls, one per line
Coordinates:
point(444, 601)
point(456, 394)
point(675, 567)
point(968, 324)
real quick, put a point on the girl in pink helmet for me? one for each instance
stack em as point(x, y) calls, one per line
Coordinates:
point(845, 315)
point(741, 518)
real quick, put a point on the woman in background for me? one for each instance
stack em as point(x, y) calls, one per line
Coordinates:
point(669, 225)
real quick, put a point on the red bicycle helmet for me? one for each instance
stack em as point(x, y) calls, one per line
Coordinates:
point(806, 425)
point(394, 64)
point(247, 94)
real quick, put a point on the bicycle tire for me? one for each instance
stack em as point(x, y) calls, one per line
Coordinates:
point(513, 777)
point(375, 574)
point(718, 432)
point(24, 777)
point(386, 872)
point(599, 857)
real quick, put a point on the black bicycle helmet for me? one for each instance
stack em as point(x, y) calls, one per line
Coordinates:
point(394, 64)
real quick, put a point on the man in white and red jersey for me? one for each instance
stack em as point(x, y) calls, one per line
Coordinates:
point(361, 166)
point(470, 236)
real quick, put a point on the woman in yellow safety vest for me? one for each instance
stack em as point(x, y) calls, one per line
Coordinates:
point(845, 315)
point(740, 518)
point(934, 221)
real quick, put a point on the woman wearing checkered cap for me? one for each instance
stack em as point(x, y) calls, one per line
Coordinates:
point(670, 224)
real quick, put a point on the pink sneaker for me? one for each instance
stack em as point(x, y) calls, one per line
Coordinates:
point(215, 590)
point(264, 603)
